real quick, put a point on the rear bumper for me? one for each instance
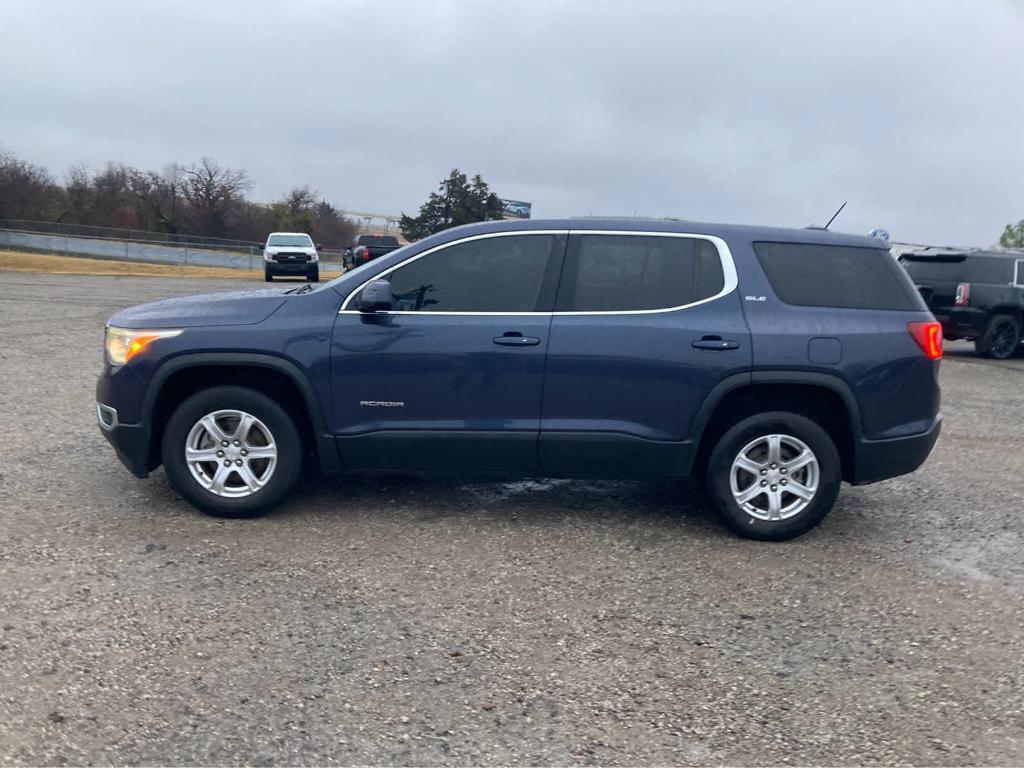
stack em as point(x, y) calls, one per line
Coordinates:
point(876, 460)
point(963, 323)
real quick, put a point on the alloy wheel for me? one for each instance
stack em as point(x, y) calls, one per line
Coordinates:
point(231, 453)
point(774, 477)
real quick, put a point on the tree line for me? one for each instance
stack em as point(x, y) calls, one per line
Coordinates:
point(201, 199)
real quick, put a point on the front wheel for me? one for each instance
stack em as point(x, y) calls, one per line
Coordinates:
point(268, 276)
point(313, 275)
point(232, 451)
point(1001, 338)
point(774, 476)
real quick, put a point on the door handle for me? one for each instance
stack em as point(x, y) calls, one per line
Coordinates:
point(714, 343)
point(516, 339)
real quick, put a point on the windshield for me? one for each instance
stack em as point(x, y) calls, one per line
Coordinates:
point(299, 241)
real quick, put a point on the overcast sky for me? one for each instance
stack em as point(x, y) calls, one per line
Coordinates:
point(745, 111)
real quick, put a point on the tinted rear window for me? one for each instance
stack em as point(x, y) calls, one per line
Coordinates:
point(970, 269)
point(837, 276)
point(377, 240)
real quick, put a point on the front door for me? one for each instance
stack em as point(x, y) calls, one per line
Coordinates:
point(645, 325)
point(452, 377)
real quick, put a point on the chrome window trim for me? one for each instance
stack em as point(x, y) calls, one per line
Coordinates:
point(729, 279)
point(1018, 278)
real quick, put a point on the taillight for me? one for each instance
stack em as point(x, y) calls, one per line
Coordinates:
point(366, 254)
point(928, 336)
point(963, 294)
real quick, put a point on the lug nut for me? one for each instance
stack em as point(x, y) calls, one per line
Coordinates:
point(227, 463)
point(245, 452)
point(783, 470)
point(237, 443)
point(764, 482)
point(775, 487)
point(239, 462)
point(224, 443)
point(774, 465)
point(782, 481)
point(764, 471)
point(220, 454)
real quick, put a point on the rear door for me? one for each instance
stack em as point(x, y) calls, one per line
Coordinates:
point(645, 325)
point(452, 377)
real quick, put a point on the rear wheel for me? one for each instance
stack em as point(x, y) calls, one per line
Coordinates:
point(1001, 338)
point(313, 275)
point(774, 476)
point(232, 451)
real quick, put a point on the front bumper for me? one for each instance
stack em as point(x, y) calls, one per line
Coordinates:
point(291, 267)
point(130, 441)
point(876, 460)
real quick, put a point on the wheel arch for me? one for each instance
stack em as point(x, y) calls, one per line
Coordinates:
point(179, 377)
point(826, 399)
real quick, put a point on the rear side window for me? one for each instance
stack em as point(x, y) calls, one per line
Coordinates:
point(837, 276)
point(492, 274)
point(618, 273)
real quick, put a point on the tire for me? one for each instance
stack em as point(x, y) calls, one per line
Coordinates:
point(268, 276)
point(795, 516)
point(271, 478)
point(313, 276)
point(1001, 338)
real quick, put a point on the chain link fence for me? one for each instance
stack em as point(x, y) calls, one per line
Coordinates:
point(133, 245)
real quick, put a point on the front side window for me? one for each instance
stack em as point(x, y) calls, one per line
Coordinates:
point(492, 274)
point(619, 273)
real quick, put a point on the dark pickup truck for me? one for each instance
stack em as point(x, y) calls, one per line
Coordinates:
point(976, 295)
point(369, 247)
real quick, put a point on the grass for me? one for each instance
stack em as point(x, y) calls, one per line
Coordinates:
point(20, 261)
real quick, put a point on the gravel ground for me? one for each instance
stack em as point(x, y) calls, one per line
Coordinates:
point(546, 622)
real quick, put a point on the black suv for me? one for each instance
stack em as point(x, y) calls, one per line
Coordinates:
point(369, 247)
point(976, 295)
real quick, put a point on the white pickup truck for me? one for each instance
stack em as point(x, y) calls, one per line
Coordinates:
point(291, 253)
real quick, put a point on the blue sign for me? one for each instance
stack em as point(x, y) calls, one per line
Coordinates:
point(516, 209)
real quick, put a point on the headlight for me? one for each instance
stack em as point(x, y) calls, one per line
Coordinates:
point(125, 343)
point(315, 257)
point(267, 256)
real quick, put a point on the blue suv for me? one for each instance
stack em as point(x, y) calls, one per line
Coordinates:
point(771, 363)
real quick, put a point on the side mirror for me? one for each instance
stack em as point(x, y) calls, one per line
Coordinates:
point(319, 246)
point(348, 251)
point(376, 297)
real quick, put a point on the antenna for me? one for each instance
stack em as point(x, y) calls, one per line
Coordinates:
point(835, 214)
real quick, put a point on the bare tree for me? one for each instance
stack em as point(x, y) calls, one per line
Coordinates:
point(27, 191)
point(213, 195)
point(160, 195)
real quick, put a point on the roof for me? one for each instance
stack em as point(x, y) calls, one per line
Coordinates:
point(734, 232)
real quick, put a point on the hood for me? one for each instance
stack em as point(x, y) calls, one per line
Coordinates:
point(230, 308)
